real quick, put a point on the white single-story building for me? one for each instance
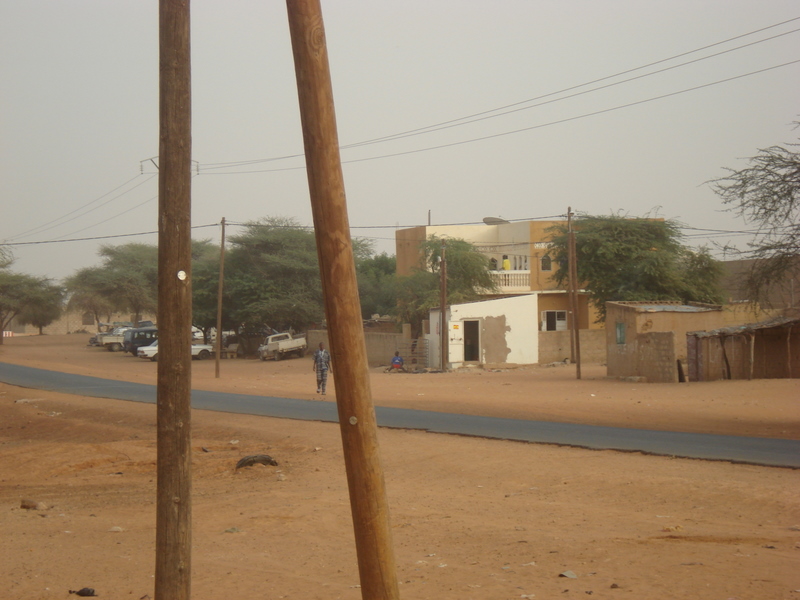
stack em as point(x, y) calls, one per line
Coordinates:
point(504, 330)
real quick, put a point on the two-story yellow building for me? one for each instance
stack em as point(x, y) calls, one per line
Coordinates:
point(521, 264)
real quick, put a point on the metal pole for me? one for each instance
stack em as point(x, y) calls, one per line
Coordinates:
point(218, 342)
point(173, 464)
point(357, 421)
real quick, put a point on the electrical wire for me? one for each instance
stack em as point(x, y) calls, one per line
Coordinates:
point(482, 115)
point(534, 127)
point(460, 121)
point(43, 227)
point(230, 223)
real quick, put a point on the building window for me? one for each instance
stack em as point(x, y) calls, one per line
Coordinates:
point(87, 318)
point(554, 320)
point(620, 333)
point(547, 263)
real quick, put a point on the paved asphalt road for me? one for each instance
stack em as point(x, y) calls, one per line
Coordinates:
point(759, 451)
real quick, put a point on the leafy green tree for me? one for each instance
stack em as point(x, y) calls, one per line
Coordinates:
point(88, 292)
point(45, 305)
point(417, 294)
point(131, 276)
point(6, 257)
point(766, 193)
point(272, 276)
point(468, 278)
point(625, 259)
point(272, 279)
point(19, 292)
point(205, 286)
point(377, 284)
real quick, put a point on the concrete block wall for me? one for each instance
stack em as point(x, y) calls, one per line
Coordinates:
point(554, 346)
point(656, 358)
point(380, 346)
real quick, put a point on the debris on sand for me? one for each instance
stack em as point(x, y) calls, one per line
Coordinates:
point(256, 459)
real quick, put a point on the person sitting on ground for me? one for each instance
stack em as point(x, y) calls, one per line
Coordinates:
point(397, 361)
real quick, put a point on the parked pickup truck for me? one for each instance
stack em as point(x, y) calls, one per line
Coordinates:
point(282, 344)
point(112, 340)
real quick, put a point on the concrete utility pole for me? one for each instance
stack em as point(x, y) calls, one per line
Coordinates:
point(173, 495)
point(359, 429)
point(218, 343)
point(573, 294)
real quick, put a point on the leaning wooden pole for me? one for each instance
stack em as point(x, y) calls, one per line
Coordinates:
point(357, 421)
point(173, 495)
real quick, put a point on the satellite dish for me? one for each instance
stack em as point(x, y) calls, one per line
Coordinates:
point(495, 221)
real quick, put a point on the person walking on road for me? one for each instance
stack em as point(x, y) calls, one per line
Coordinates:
point(322, 364)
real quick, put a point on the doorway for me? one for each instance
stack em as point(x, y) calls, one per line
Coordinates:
point(472, 346)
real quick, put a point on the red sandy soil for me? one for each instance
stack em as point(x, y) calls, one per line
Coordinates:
point(472, 518)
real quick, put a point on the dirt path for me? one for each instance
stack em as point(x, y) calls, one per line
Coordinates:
point(472, 518)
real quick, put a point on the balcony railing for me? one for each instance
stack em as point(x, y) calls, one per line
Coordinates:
point(512, 281)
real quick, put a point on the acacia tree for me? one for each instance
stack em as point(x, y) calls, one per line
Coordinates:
point(205, 285)
point(468, 278)
point(766, 193)
point(272, 277)
point(89, 293)
point(44, 305)
point(132, 271)
point(6, 257)
point(19, 292)
point(624, 259)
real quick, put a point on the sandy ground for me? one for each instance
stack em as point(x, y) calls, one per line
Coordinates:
point(472, 518)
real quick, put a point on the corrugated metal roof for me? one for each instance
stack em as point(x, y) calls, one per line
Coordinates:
point(748, 328)
point(673, 308)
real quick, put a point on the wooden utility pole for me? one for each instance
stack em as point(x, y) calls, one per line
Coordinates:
point(218, 343)
point(357, 421)
point(443, 306)
point(173, 496)
point(573, 294)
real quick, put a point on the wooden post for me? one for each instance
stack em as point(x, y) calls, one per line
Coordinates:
point(573, 294)
point(218, 343)
point(789, 351)
point(443, 307)
point(173, 496)
point(368, 501)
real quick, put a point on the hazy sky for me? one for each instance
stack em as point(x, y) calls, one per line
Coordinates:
point(79, 106)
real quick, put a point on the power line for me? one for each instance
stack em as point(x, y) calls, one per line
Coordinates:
point(486, 115)
point(55, 222)
point(451, 123)
point(482, 115)
point(95, 238)
point(709, 232)
point(533, 127)
point(575, 118)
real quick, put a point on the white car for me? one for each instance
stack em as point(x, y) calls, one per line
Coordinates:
point(199, 351)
